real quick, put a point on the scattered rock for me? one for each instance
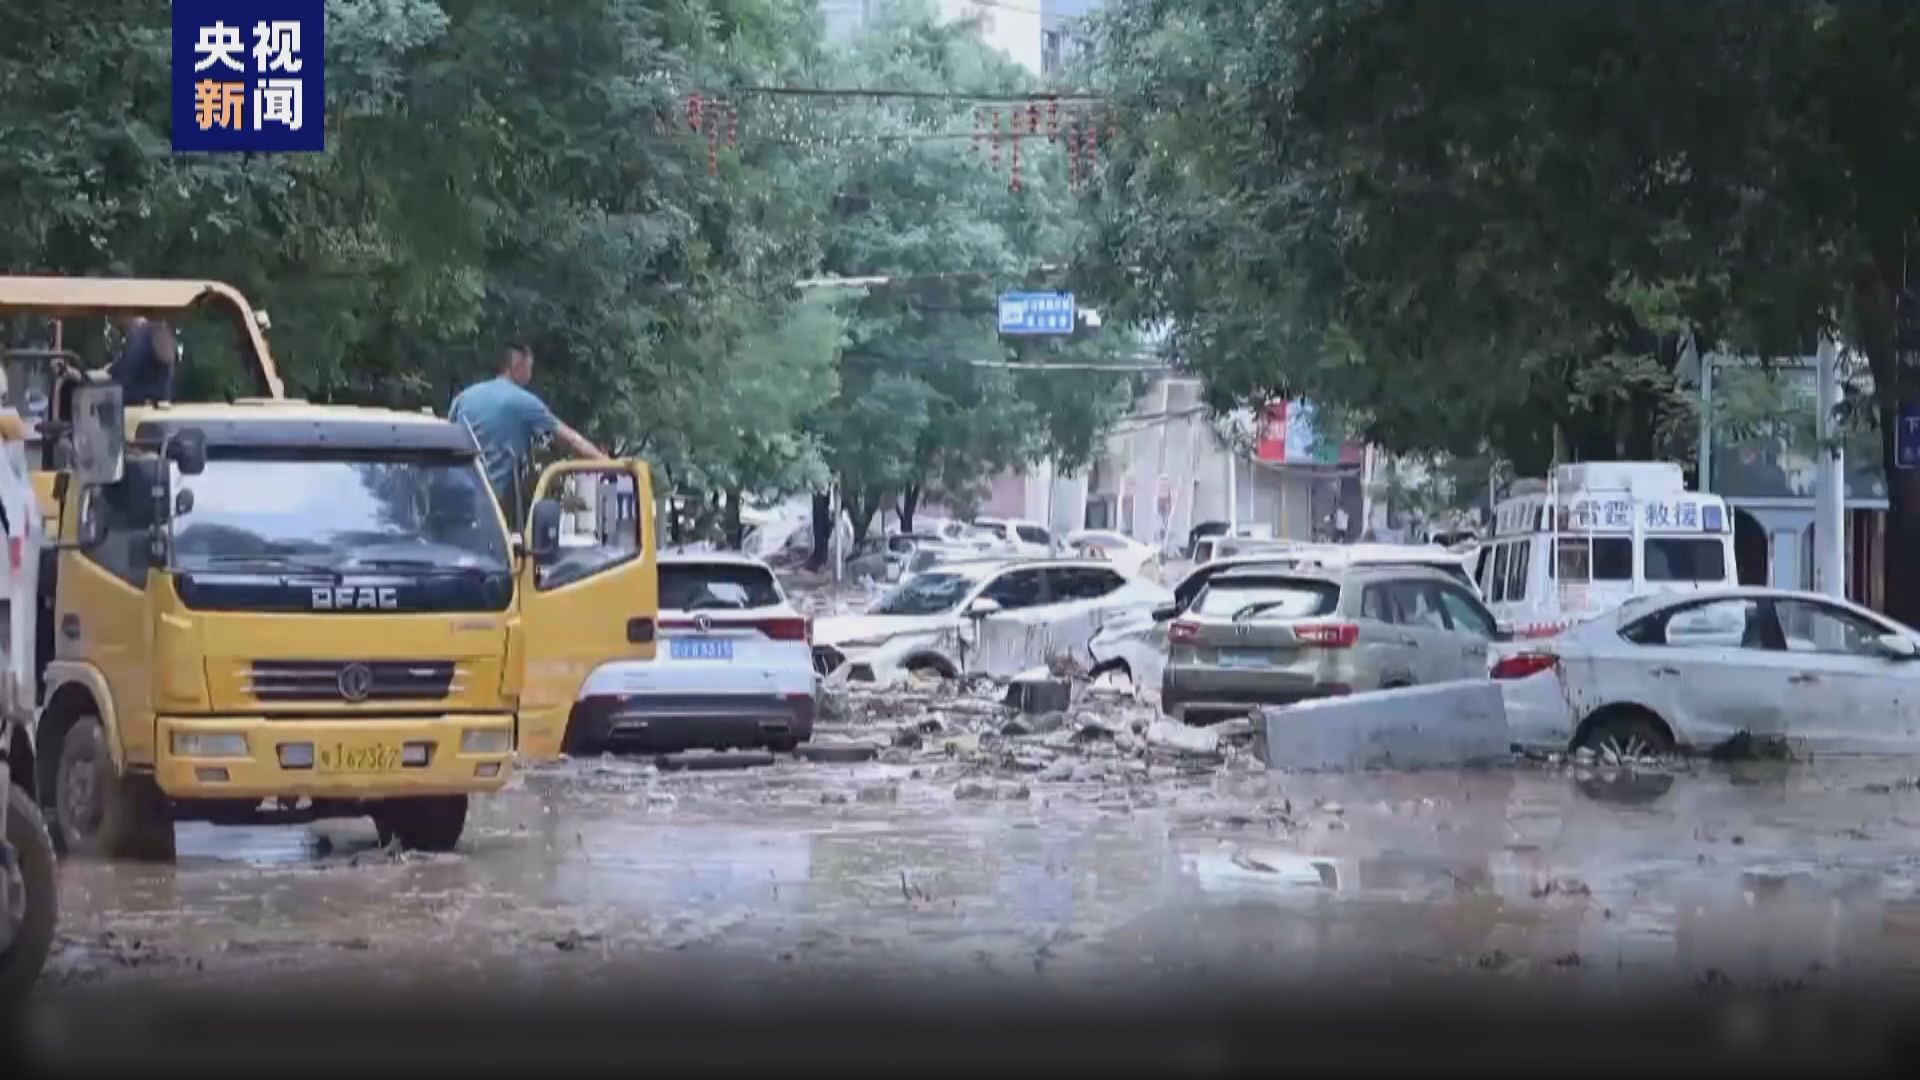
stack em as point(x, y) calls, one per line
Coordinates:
point(837, 753)
point(1497, 960)
point(1182, 738)
point(1060, 769)
point(1038, 691)
point(834, 798)
point(879, 793)
point(1563, 887)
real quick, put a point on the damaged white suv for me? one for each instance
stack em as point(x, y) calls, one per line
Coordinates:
point(993, 617)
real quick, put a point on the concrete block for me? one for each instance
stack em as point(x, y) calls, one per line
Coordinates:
point(1445, 724)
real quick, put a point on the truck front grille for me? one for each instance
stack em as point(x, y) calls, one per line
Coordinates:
point(330, 680)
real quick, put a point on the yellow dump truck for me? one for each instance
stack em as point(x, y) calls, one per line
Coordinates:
point(266, 610)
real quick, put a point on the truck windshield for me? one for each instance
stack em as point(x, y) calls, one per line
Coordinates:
point(339, 514)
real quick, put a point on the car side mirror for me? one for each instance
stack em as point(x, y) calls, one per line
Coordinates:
point(543, 529)
point(1166, 613)
point(983, 607)
point(1899, 647)
point(187, 449)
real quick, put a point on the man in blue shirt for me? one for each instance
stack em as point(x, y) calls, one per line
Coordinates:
point(505, 418)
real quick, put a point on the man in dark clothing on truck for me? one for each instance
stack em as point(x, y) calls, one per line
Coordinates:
point(144, 365)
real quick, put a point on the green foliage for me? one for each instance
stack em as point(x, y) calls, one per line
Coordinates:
point(498, 171)
point(929, 211)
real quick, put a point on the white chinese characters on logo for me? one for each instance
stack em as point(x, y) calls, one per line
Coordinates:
point(217, 45)
point(276, 47)
point(277, 101)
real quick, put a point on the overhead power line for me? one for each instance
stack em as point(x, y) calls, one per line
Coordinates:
point(1117, 369)
point(1037, 97)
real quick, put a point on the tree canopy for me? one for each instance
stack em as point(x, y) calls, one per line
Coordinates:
point(501, 171)
point(1475, 225)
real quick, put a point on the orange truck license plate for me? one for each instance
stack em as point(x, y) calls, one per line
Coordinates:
point(347, 757)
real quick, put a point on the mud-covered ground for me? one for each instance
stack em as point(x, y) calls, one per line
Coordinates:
point(1077, 853)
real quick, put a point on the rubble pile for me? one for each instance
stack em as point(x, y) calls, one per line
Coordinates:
point(995, 739)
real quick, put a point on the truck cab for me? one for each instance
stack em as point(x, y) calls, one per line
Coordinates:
point(266, 610)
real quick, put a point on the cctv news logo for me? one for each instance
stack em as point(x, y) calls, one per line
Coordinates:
point(248, 76)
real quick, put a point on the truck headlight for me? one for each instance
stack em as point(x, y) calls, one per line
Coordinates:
point(485, 740)
point(198, 744)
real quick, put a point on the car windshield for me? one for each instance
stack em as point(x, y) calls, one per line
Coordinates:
point(925, 594)
point(338, 514)
point(716, 587)
point(1273, 599)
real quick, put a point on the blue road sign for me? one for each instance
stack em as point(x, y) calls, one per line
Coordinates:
point(1036, 313)
point(1906, 436)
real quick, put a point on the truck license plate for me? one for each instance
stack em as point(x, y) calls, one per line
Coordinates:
point(701, 649)
point(357, 757)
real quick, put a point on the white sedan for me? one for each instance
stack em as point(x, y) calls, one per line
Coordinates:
point(1129, 556)
point(1690, 671)
point(733, 667)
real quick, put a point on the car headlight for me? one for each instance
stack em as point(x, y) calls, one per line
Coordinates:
point(197, 744)
point(863, 643)
point(485, 740)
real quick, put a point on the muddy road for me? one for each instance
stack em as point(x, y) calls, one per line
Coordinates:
point(1104, 868)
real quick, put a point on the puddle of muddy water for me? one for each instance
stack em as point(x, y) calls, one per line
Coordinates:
point(1508, 872)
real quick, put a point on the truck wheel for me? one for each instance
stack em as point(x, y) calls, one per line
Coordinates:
point(97, 814)
point(26, 950)
point(432, 823)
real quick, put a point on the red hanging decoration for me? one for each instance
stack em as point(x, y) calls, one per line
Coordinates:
point(1053, 119)
point(994, 159)
point(1033, 118)
point(1112, 128)
point(1013, 184)
point(1073, 162)
point(733, 126)
point(713, 149)
point(693, 111)
point(979, 129)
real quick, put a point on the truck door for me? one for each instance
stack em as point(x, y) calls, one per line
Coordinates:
point(101, 618)
point(594, 600)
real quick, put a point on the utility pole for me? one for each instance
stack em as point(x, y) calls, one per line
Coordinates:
point(1829, 489)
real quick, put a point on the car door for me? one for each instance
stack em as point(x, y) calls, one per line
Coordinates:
point(1002, 641)
point(1386, 649)
point(1434, 654)
point(594, 602)
point(1473, 629)
point(1845, 692)
point(1704, 667)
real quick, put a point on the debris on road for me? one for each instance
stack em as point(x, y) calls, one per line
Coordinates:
point(1182, 738)
point(1444, 724)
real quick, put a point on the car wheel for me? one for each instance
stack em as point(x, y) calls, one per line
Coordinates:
point(98, 813)
point(1625, 735)
point(35, 896)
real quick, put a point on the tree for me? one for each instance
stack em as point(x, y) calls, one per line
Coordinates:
point(1520, 211)
point(926, 208)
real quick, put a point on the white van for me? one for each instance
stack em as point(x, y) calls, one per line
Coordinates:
point(1597, 535)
